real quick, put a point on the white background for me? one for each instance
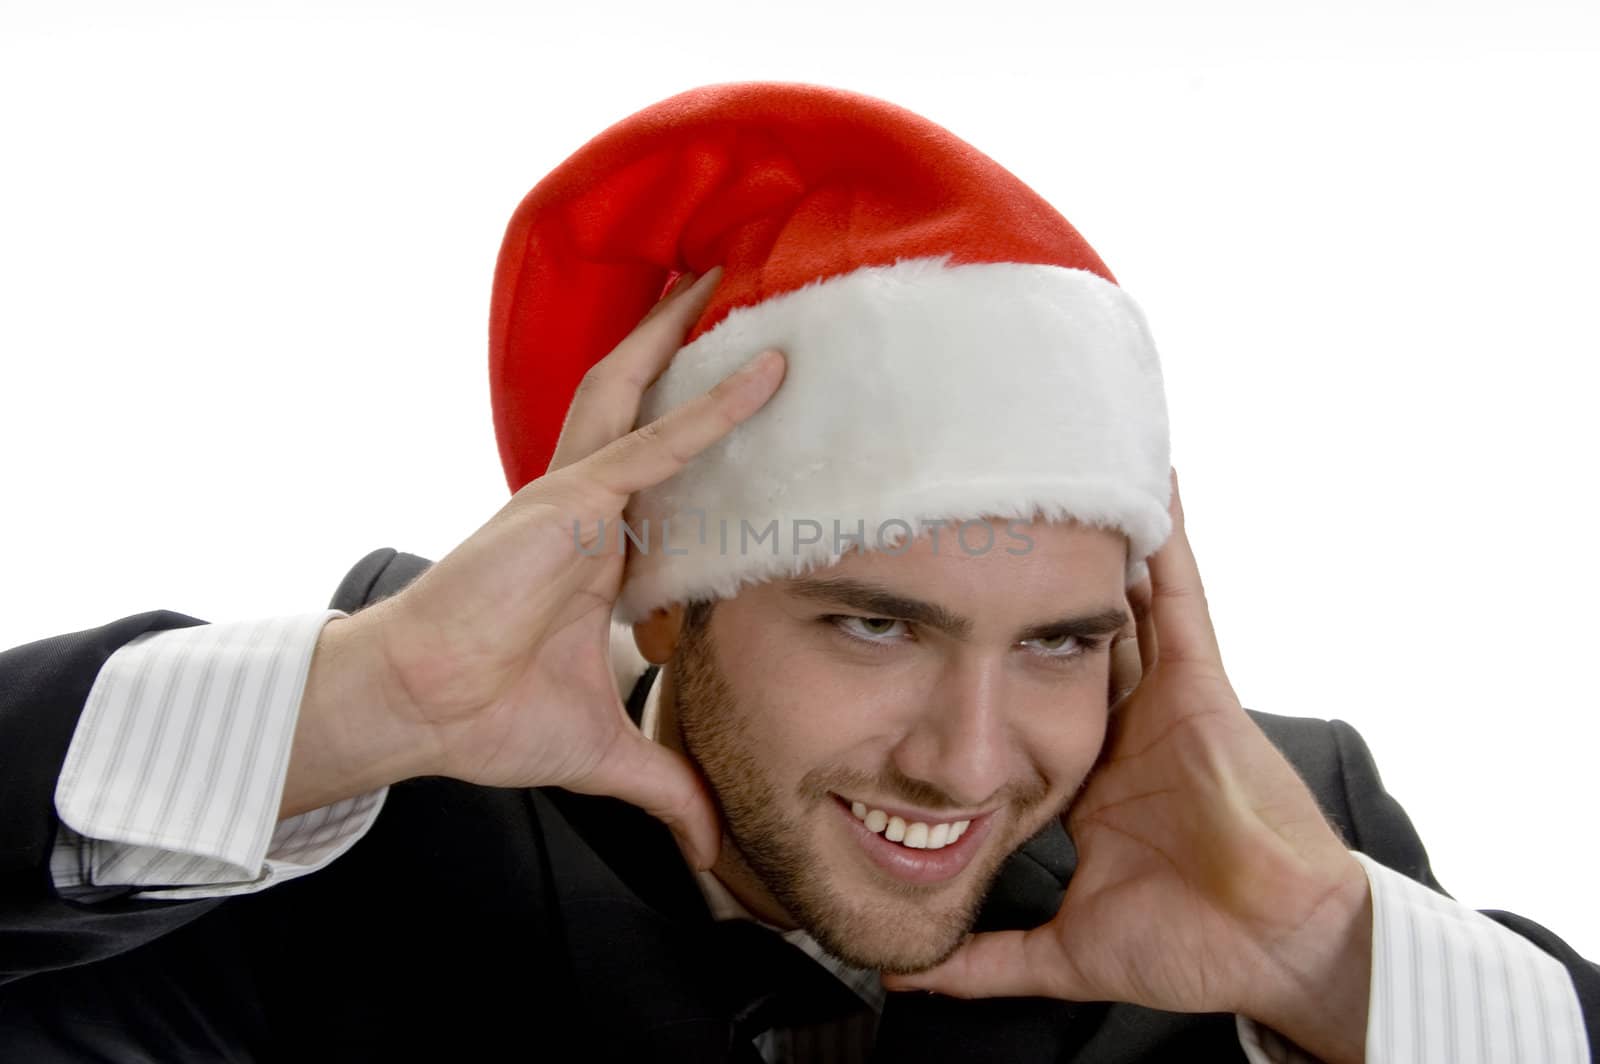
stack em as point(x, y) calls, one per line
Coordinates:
point(245, 256)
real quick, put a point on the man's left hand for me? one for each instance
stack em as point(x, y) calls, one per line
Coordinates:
point(1208, 879)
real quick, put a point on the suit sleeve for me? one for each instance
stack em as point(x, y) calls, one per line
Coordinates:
point(1450, 975)
point(43, 689)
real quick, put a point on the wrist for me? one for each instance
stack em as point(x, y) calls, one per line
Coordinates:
point(350, 737)
point(1320, 994)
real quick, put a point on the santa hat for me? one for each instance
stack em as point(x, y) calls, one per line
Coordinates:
point(955, 349)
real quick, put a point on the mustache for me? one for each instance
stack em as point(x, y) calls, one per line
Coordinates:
point(893, 785)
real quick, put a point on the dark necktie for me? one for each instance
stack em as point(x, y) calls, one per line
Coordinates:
point(771, 984)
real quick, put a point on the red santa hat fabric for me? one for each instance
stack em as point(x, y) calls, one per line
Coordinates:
point(956, 350)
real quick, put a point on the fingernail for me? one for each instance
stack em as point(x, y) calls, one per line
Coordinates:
point(761, 361)
point(685, 847)
point(690, 851)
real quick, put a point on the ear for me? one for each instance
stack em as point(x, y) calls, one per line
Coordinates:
point(657, 635)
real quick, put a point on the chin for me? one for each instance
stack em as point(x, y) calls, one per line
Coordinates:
point(869, 923)
point(854, 910)
point(893, 937)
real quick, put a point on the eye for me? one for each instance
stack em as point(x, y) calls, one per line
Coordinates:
point(867, 629)
point(1061, 646)
point(1056, 645)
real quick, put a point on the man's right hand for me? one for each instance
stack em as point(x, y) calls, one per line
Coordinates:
point(493, 667)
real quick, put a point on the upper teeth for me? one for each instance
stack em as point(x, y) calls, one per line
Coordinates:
point(917, 835)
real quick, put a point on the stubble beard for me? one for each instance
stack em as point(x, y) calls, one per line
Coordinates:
point(892, 926)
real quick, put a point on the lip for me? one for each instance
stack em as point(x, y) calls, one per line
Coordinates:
point(917, 866)
point(911, 816)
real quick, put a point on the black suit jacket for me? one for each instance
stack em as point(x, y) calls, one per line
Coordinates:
point(483, 924)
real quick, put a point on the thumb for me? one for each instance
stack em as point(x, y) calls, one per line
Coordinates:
point(995, 964)
point(664, 784)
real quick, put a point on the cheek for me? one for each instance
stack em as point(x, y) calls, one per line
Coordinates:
point(1067, 734)
point(799, 726)
point(797, 716)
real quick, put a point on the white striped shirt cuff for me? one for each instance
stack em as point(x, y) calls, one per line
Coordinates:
point(1449, 986)
point(175, 773)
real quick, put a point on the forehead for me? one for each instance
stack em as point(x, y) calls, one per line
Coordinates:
point(988, 567)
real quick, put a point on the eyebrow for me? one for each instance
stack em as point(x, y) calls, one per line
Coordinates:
point(881, 602)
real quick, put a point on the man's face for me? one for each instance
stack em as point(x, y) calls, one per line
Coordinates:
point(935, 687)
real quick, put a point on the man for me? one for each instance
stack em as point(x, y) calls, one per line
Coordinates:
point(398, 833)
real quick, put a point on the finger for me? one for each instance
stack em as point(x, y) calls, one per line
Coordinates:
point(679, 284)
point(662, 783)
point(660, 449)
point(1177, 598)
point(1126, 668)
point(607, 400)
point(998, 964)
point(1133, 647)
point(1139, 600)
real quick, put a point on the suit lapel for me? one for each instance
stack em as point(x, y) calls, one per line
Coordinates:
point(635, 928)
point(922, 1027)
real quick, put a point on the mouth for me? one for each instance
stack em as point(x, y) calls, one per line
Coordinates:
point(919, 850)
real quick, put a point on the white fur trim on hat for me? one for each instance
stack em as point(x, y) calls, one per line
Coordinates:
point(918, 392)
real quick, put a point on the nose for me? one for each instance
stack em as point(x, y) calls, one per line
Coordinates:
point(961, 742)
